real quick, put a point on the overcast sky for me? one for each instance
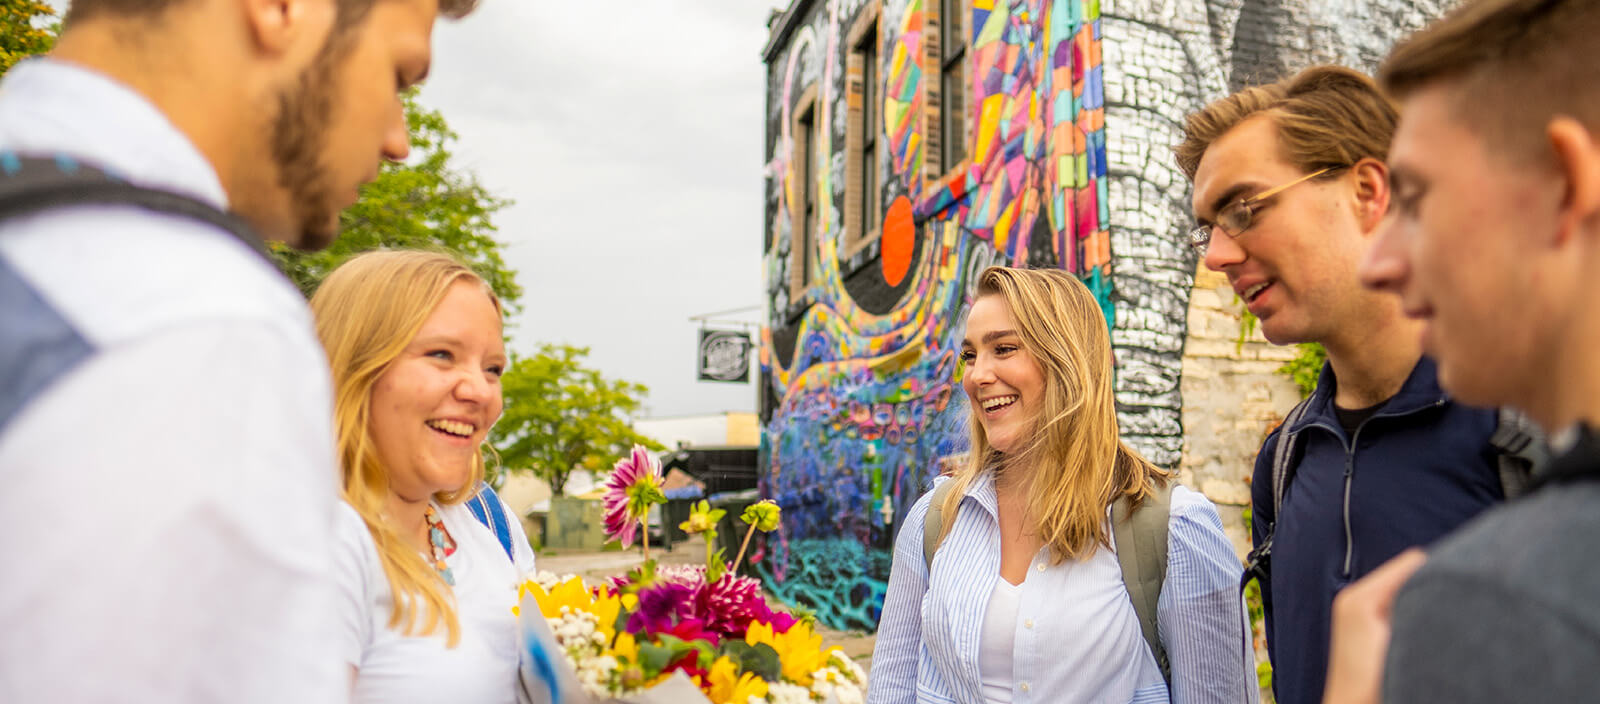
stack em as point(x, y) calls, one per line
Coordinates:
point(631, 139)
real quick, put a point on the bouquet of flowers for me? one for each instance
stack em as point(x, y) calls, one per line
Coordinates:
point(673, 633)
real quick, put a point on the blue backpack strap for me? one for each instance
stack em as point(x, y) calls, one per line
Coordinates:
point(491, 512)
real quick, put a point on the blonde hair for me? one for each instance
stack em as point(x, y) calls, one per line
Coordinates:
point(367, 311)
point(1076, 464)
point(1327, 116)
point(1515, 65)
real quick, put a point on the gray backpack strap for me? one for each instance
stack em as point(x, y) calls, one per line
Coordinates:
point(1258, 564)
point(933, 524)
point(1141, 541)
point(1283, 457)
point(1522, 450)
point(35, 183)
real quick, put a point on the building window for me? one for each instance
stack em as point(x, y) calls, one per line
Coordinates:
point(952, 83)
point(803, 245)
point(863, 208)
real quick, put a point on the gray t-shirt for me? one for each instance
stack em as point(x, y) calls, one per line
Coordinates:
point(1507, 609)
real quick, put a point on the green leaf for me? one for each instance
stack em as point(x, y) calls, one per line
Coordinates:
point(717, 565)
point(759, 658)
point(655, 657)
point(27, 27)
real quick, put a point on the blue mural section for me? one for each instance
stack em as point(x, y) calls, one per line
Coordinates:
point(860, 406)
point(857, 439)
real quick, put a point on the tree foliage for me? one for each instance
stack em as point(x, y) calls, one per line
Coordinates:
point(561, 416)
point(421, 203)
point(27, 27)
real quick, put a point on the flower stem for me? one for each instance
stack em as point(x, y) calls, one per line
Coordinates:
point(646, 534)
point(747, 535)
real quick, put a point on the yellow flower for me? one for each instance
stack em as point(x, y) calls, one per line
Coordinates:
point(571, 594)
point(799, 650)
point(730, 687)
point(626, 647)
point(702, 518)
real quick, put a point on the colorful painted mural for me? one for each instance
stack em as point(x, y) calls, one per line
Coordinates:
point(865, 407)
point(1073, 106)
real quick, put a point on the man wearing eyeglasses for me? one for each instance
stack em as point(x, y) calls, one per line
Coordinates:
point(1289, 188)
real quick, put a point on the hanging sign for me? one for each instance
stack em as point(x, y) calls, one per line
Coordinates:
point(725, 356)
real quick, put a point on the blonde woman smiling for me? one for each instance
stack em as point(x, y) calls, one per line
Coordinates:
point(414, 339)
point(1022, 598)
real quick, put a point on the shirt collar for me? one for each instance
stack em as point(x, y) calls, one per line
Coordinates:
point(48, 105)
point(981, 491)
point(1420, 391)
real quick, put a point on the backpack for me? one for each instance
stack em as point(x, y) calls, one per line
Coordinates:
point(31, 184)
point(491, 512)
point(1141, 541)
point(1518, 442)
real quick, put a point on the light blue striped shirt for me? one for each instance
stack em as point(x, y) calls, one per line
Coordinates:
point(1077, 635)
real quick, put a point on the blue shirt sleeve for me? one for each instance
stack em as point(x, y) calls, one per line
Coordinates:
point(893, 679)
point(1200, 616)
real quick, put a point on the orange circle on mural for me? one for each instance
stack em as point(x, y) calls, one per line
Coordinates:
point(899, 239)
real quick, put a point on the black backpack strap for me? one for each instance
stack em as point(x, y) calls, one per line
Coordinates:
point(31, 184)
point(1522, 450)
point(1259, 562)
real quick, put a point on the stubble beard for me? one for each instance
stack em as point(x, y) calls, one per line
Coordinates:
point(299, 134)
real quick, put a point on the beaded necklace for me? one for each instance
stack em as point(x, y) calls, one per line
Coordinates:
point(440, 544)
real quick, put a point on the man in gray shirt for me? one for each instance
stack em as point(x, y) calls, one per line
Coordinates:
point(1494, 242)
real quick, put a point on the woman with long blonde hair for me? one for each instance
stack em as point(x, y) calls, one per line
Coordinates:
point(414, 340)
point(1012, 587)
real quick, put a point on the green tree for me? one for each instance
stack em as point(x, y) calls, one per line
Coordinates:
point(420, 203)
point(27, 27)
point(561, 416)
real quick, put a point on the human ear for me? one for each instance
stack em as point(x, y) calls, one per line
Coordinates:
point(1372, 193)
point(1577, 158)
point(280, 26)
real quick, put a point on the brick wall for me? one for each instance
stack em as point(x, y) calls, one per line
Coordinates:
point(1233, 396)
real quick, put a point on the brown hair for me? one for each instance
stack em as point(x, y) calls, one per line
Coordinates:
point(1516, 65)
point(1327, 116)
point(1076, 464)
point(350, 12)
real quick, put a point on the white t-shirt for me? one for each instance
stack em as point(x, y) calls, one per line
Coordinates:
point(396, 669)
point(169, 488)
point(999, 639)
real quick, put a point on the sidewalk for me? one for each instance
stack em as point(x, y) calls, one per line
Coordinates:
point(594, 566)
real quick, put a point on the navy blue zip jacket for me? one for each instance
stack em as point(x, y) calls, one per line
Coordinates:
point(1414, 471)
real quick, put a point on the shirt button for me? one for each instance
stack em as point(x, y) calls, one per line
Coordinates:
point(1028, 623)
point(1024, 686)
point(1041, 567)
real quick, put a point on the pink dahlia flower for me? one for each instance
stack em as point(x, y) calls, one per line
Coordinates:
point(634, 484)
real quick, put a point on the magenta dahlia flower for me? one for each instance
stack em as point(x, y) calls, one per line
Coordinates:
point(634, 484)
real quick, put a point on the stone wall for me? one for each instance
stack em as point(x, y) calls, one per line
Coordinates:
point(1233, 396)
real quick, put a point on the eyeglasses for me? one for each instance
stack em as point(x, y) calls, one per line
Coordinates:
point(1234, 219)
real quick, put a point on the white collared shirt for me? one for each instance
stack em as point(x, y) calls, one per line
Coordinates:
point(1077, 637)
point(168, 469)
